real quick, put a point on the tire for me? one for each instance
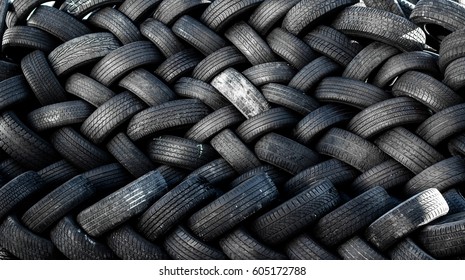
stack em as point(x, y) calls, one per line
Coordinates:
point(75, 244)
point(297, 213)
point(311, 74)
point(18, 39)
point(249, 101)
point(162, 37)
point(289, 47)
point(57, 173)
point(234, 151)
point(108, 178)
point(285, 153)
point(198, 35)
point(455, 200)
point(427, 90)
point(24, 244)
point(81, 51)
point(10, 169)
point(180, 152)
point(183, 245)
point(138, 10)
point(167, 115)
point(364, 64)
point(178, 65)
point(290, 98)
point(407, 249)
point(81, 8)
point(352, 217)
point(173, 176)
point(333, 170)
point(333, 44)
point(387, 114)
point(351, 149)
point(23, 8)
point(303, 247)
point(232, 208)
point(371, 23)
point(41, 79)
point(214, 123)
point(357, 248)
point(271, 72)
point(306, 14)
point(408, 149)
point(169, 11)
point(241, 245)
point(276, 175)
point(269, 13)
point(349, 92)
point(453, 76)
point(124, 59)
point(414, 212)
point(387, 5)
point(450, 49)
point(59, 114)
point(434, 132)
point(174, 207)
point(456, 145)
point(249, 43)
point(8, 70)
point(14, 91)
point(197, 89)
point(79, 151)
point(129, 245)
point(110, 115)
point(88, 89)
point(123, 204)
point(216, 172)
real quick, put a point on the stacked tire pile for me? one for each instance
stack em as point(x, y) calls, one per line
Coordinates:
point(232, 129)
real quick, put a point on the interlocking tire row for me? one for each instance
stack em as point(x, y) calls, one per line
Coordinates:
point(232, 129)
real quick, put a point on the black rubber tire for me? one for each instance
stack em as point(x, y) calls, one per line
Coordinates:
point(127, 244)
point(316, 122)
point(351, 149)
point(333, 44)
point(388, 175)
point(183, 245)
point(59, 114)
point(9, 169)
point(217, 62)
point(57, 173)
point(451, 49)
point(407, 249)
point(269, 13)
point(222, 12)
point(388, 114)
point(18, 190)
point(174, 207)
point(198, 35)
point(217, 172)
point(117, 23)
point(167, 115)
point(8, 70)
point(284, 221)
point(456, 145)
point(81, 51)
point(23, 8)
point(271, 72)
point(414, 212)
point(24, 145)
point(358, 248)
point(249, 100)
point(14, 91)
point(311, 74)
point(6, 256)
point(290, 98)
point(234, 151)
point(249, 43)
point(178, 65)
point(79, 151)
point(162, 37)
point(387, 5)
point(138, 10)
point(349, 92)
point(88, 89)
point(408, 149)
point(274, 119)
point(24, 244)
point(453, 76)
point(455, 200)
point(75, 244)
point(214, 123)
point(303, 247)
point(129, 155)
point(352, 217)
point(110, 115)
point(336, 171)
point(24, 39)
point(172, 175)
point(81, 8)
point(180, 152)
point(41, 79)
point(367, 60)
point(276, 175)
point(433, 130)
point(381, 26)
point(444, 238)
point(57, 23)
point(307, 13)
point(169, 11)
point(241, 245)
point(232, 208)
point(403, 62)
point(289, 47)
point(285, 153)
point(123, 204)
point(197, 89)
point(56, 204)
point(426, 89)
point(108, 178)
